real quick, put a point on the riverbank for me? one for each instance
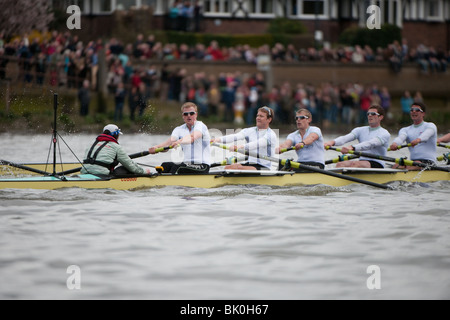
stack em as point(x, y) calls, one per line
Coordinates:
point(31, 110)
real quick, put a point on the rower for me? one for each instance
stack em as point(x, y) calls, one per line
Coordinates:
point(307, 141)
point(421, 135)
point(444, 139)
point(372, 139)
point(261, 139)
point(193, 137)
point(106, 153)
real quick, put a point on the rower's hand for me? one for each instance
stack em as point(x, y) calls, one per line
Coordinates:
point(416, 142)
point(236, 148)
point(394, 147)
point(152, 150)
point(346, 150)
point(328, 144)
point(175, 144)
point(299, 146)
point(148, 171)
point(277, 150)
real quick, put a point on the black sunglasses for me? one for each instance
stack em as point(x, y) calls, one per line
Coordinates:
point(189, 113)
point(301, 117)
point(373, 114)
point(416, 110)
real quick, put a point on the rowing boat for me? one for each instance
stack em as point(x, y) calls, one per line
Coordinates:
point(221, 178)
point(336, 177)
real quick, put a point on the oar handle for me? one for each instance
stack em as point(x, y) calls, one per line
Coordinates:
point(341, 159)
point(288, 149)
point(227, 161)
point(443, 145)
point(409, 145)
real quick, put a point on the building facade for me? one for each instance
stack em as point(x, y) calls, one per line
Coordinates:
point(422, 21)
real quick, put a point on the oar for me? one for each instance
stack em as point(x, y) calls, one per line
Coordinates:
point(341, 158)
point(20, 166)
point(228, 161)
point(445, 157)
point(443, 145)
point(399, 161)
point(132, 156)
point(298, 165)
point(287, 149)
point(401, 147)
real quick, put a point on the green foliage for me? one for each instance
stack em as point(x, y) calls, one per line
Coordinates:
point(374, 38)
point(286, 26)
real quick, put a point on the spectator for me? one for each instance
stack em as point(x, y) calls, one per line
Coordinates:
point(406, 101)
point(119, 102)
point(84, 97)
point(385, 98)
point(198, 16)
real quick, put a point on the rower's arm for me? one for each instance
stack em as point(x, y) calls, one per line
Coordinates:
point(311, 139)
point(166, 143)
point(373, 143)
point(287, 144)
point(427, 134)
point(345, 139)
point(444, 139)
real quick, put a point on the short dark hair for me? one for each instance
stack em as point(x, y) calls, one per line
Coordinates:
point(379, 108)
point(421, 105)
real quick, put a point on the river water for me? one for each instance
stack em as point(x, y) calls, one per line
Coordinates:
point(312, 242)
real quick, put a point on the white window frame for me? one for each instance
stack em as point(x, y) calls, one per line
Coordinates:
point(322, 16)
point(440, 16)
point(221, 12)
point(258, 13)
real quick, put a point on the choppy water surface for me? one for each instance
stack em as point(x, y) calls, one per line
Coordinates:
point(226, 243)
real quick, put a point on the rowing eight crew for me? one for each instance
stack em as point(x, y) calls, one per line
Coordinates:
point(194, 138)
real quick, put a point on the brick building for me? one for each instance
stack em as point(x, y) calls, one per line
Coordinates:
point(422, 21)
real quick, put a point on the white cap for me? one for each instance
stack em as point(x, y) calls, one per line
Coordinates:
point(113, 129)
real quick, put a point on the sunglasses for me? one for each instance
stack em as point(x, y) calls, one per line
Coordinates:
point(416, 110)
point(189, 113)
point(268, 110)
point(301, 117)
point(373, 114)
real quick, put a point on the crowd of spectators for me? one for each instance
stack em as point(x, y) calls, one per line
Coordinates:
point(63, 60)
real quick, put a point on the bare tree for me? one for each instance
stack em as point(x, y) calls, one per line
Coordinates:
point(22, 16)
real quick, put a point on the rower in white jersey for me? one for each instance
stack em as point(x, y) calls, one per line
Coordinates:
point(372, 139)
point(421, 135)
point(307, 140)
point(194, 138)
point(260, 139)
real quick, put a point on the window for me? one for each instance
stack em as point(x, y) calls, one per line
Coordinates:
point(434, 10)
point(105, 6)
point(125, 4)
point(311, 7)
point(261, 6)
point(149, 3)
point(217, 6)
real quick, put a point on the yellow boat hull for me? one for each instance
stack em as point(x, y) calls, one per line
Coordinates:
point(215, 180)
